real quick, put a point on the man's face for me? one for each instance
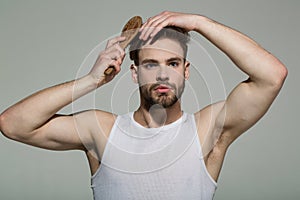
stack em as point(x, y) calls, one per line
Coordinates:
point(162, 72)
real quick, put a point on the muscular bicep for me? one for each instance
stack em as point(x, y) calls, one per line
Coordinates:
point(245, 105)
point(61, 132)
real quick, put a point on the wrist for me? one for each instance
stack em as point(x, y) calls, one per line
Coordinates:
point(86, 84)
point(94, 81)
point(199, 22)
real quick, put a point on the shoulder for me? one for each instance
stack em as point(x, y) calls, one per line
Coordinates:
point(105, 116)
point(96, 121)
point(95, 115)
point(104, 121)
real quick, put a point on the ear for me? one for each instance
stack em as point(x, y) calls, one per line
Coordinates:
point(187, 70)
point(134, 73)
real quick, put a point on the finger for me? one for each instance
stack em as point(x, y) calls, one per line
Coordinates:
point(158, 28)
point(116, 51)
point(114, 41)
point(152, 30)
point(147, 26)
point(146, 32)
point(154, 18)
point(107, 58)
point(114, 56)
point(120, 49)
point(116, 64)
point(154, 25)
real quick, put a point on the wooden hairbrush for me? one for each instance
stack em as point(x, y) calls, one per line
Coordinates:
point(130, 30)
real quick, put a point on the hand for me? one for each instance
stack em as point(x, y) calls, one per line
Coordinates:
point(154, 24)
point(113, 55)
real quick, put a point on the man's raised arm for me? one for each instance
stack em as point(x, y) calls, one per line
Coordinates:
point(34, 121)
point(250, 100)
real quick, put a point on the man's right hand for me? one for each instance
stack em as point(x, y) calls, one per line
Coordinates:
point(112, 56)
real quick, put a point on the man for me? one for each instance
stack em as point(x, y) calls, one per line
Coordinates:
point(158, 151)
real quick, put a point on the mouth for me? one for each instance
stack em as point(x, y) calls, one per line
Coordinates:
point(162, 88)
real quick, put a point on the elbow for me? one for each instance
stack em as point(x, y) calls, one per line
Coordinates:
point(13, 130)
point(6, 127)
point(282, 74)
point(3, 127)
point(279, 77)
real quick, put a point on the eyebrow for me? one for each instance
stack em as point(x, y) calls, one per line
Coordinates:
point(178, 59)
point(149, 61)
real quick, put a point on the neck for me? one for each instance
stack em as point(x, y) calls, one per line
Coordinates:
point(156, 115)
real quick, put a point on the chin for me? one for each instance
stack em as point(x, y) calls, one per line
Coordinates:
point(165, 101)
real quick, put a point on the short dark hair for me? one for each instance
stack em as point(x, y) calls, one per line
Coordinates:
point(171, 32)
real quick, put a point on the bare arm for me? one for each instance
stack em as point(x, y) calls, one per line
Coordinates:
point(250, 100)
point(34, 121)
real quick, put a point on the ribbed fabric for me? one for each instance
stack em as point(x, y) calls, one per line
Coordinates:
point(153, 163)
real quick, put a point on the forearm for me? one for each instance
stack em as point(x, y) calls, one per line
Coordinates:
point(252, 59)
point(35, 110)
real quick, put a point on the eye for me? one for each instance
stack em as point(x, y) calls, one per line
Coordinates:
point(173, 64)
point(150, 65)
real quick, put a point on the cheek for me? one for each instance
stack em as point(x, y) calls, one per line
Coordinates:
point(178, 79)
point(146, 77)
point(177, 75)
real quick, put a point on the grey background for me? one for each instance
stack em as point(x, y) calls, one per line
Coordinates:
point(43, 43)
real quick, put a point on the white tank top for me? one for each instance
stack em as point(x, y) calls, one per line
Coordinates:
point(141, 163)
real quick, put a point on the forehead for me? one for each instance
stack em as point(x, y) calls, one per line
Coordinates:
point(161, 49)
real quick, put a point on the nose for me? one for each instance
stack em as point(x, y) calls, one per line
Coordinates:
point(162, 74)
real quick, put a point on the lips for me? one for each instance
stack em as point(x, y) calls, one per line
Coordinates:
point(162, 88)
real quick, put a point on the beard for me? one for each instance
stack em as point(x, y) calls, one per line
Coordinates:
point(152, 97)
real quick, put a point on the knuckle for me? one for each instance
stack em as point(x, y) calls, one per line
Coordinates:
point(105, 57)
point(123, 53)
point(116, 45)
point(101, 56)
